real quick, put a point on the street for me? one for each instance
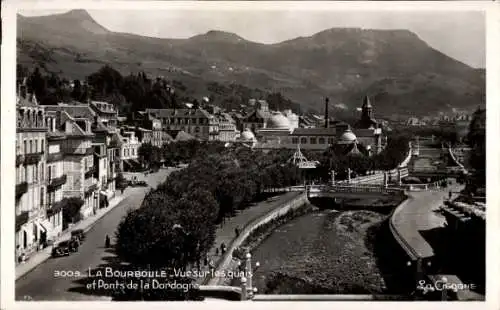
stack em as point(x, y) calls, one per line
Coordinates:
point(418, 217)
point(42, 284)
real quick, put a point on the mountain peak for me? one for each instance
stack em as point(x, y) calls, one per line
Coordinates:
point(220, 36)
point(71, 20)
point(78, 14)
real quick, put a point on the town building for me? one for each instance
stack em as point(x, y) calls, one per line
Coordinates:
point(104, 135)
point(56, 176)
point(105, 112)
point(257, 119)
point(101, 172)
point(227, 127)
point(279, 132)
point(129, 150)
point(31, 182)
point(75, 121)
point(196, 122)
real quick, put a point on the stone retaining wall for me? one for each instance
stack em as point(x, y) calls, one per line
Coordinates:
point(292, 204)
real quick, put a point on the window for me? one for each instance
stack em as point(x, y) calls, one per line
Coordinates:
point(85, 164)
point(43, 146)
point(41, 172)
point(35, 173)
point(295, 140)
point(41, 199)
point(321, 140)
point(303, 140)
point(25, 147)
point(49, 173)
point(31, 146)
point(313, 140)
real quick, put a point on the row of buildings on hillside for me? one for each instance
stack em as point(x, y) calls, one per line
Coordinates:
point(266, 129)
point(76, 149)
point(62, 151)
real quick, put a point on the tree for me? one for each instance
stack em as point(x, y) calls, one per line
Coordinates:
point(166, 232)
point(71, 210)
point(120, 181)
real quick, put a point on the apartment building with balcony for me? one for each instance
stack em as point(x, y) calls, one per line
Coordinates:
point(108, 137)
point(32, 227)
point(154, 134)
point(56, 176)
point(78, 155)
point(101, 172)
point(106, 113)
point(129, 150)
point(196, 122)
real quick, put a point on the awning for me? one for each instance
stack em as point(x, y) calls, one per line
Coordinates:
point(107, 194)
point(45, 225)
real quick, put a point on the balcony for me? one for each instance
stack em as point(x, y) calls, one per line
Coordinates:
point(56, 183)
point(90, 189)
point(54, 157)
point(54, 208)
point(21, 219)
point(90, 172)
point(33, 158)
point(21, 189)
point(19, 160)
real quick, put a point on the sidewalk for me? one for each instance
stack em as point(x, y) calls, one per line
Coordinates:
point(418, 215)
point(39, 257)
point(226, 233)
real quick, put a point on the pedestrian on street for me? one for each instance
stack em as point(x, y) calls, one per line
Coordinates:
point(217, 251)
point(449, 195)
point(122, 190)
point(108, 242)
point(237, 232)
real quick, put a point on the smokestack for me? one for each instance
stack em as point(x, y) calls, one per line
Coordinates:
point(326, 112)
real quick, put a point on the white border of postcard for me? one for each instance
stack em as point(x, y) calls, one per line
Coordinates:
point(9, 9)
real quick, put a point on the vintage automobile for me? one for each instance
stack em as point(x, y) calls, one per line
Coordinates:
point(78, 233)
point(65, 248)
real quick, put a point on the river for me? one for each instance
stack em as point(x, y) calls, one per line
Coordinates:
point(324, 252)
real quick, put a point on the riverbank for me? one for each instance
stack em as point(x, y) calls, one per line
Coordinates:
point(320, 252)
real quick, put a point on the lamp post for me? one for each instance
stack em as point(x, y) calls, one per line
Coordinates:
point(248, 291)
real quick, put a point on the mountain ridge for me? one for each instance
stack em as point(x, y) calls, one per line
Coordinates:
point(343, 63)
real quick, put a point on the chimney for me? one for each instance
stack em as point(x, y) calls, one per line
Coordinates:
point(326, 112)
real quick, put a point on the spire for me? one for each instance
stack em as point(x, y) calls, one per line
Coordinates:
point(367, 103)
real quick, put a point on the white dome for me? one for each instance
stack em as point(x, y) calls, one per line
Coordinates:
point(278, 121)
point(347, 137)
point(247, 135)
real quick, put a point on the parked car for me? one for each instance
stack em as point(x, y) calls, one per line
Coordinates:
point(65, 248)
point(78, 233)
point(138, 184)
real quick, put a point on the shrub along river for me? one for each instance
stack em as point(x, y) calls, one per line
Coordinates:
point(327, 251)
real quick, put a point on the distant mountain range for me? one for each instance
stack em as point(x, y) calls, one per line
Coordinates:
point(401, 72)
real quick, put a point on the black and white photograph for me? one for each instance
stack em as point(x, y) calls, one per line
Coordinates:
point(285, 154)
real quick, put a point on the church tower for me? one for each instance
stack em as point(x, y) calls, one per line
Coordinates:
point(367, 120)
point(367, 109)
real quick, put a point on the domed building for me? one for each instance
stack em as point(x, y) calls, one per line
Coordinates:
point(247, 137)
point(348, 137)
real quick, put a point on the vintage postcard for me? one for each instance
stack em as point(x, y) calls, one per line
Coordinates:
point(202, 151)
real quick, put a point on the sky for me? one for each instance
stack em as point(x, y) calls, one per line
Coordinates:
point(458, 34)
